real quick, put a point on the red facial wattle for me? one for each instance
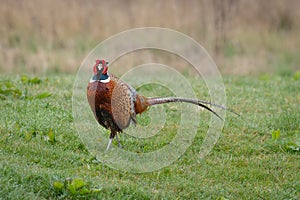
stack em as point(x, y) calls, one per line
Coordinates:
point(105, 69)
point(95, 68)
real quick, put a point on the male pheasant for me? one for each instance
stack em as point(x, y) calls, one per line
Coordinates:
point(115, 104)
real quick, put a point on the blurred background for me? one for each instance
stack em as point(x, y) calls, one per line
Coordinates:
point(243, 37)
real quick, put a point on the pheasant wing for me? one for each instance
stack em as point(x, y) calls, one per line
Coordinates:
point(122, 104)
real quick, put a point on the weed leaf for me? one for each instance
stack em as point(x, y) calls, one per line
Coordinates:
point(58, 185)
point(43, 95)
point(275, 134)
point(51, 136)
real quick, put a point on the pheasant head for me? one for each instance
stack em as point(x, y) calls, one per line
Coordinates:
point(100, 72)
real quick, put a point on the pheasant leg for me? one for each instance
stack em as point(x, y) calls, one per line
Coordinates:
point(119, 143)
point(109, 143)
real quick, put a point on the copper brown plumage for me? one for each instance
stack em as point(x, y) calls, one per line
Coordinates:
point(115, 104)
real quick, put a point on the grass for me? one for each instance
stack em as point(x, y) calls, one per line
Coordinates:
point(256, 157)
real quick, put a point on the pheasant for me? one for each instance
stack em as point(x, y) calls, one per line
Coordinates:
point(115, 103)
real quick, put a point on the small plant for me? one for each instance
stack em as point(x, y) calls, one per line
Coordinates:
point(50, 136)
point(297, 75)
point(275, 134)
point(74, 186)
point(286, 144)
point(293, 146)
point(26, 80)
point(8, 88)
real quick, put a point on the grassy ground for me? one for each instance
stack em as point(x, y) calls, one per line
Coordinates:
point(256, 157)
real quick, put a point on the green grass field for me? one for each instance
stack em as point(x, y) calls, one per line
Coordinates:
point(256, 157)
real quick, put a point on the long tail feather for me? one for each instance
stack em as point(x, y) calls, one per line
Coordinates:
point(162, 100)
